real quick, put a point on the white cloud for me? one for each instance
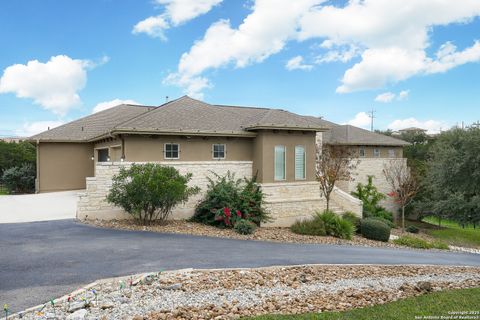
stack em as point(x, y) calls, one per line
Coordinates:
point(296, 63)
point(180, 11)
point(389, 37)
point(176, 12)
point(385, 97)
point(403, 95)
point(262, 33)
point(394, 35)
point(54, 85)
point(342, 54)
point(432, 126)
point(31, 128)
point(153, 26)
point(361, 120)
point(110, 104)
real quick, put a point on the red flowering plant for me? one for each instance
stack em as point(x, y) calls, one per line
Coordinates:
point(228, 218)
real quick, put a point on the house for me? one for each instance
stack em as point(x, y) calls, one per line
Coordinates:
point(277, 146)
point(374, 152)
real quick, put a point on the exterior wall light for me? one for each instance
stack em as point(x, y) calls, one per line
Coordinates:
point(92, 158)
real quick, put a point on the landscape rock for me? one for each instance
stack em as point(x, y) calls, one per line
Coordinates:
point(78, 315)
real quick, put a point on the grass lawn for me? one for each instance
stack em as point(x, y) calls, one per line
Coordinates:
point(435, 304)
point(3, 191)
point(454, 234)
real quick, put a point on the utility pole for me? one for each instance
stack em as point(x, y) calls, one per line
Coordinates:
point(371, 114)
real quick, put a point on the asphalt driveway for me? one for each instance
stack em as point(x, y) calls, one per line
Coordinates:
point(42, 260)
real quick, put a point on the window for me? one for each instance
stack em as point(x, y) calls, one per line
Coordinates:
point(376, 152)
point(391, 153)
point(102, 155)
point(218, 151)
point(361, 152)
point(172, 151)
point(279, 165)
point(299, 162)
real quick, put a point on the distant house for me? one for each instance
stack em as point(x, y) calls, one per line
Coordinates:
point(276, 146)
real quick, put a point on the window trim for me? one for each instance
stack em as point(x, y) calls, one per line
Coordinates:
point(304, 162)
point(165, 151)
point(284, 163)
point(379, 155)
point(364, 152)
point(224, 151)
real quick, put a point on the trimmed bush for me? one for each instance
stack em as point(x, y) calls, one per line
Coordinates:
point(353, 218)
point(412, 229)
point(313, 227)
point(415, 242)
point(149, 191)
point(244, 195)
point(245, 227)
point(335, 226)
point(375, 229)
point(387, 222)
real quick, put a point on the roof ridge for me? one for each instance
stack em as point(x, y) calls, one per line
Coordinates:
point(244, 107)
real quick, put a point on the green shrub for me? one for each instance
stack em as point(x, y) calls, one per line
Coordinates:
point(149, 191)
point(336, 226)
point(375, 230)
point(353, 218)
point(245, 227)
point(415, 242)
point(387, 222)
point(313, 227)
point(20, 179)
point(236, 194)
point(412, 229)
point(371, 198)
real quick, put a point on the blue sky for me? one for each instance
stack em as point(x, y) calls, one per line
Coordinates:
point(62, 59)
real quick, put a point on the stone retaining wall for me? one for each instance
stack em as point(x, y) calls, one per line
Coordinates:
point(291, 201)
point(92, 203)
point(286, 202)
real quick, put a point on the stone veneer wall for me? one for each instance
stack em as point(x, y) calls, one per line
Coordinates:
point(92, 203)
point(291, 201)
point(373, 166)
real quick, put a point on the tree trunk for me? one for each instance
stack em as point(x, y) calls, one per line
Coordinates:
point(403, 218)
point(327, 198)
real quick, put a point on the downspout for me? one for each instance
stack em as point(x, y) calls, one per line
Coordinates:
point(37, 182)
point(123, 149)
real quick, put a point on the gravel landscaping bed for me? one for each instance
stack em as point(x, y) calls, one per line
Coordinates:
point(264, 234)
point(233, 293)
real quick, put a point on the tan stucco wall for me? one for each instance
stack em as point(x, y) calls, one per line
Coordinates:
point(265, 144)
point(63, 166)
point(139, 148)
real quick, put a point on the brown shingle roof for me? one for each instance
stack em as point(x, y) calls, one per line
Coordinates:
point(92, 126)
point(189, 116)
point(350, 135)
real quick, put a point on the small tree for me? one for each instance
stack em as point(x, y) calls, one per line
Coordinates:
point(150, 191)
point(403, 184)
point(334, 164)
